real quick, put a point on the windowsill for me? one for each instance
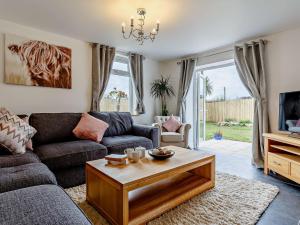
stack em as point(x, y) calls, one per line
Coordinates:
point(135, 114)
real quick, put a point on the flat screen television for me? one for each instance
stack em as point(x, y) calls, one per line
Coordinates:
point(289, 111)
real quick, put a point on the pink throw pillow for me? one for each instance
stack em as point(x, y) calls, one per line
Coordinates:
point(298, 123)
point(90, 128)
point(172, 124)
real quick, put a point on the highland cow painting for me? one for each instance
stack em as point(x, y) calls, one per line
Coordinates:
point(36, 63)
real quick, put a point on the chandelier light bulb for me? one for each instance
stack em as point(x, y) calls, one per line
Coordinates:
point(123, 27)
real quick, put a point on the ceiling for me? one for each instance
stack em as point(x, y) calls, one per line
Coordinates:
point(187, 26)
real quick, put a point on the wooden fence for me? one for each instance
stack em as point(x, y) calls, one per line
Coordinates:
point(239, 109)
point(109, 105)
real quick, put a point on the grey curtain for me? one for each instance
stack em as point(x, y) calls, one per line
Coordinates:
point(250, 64)
point(102, 60)
point(186, 75)
point(136, 64)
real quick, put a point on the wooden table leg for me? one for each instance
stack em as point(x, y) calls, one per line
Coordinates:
point(110, 201)
point(207, 171)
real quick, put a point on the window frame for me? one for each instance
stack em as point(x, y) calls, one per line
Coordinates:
point(124, 59)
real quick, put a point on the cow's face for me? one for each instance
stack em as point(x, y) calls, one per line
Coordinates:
point(14, 48)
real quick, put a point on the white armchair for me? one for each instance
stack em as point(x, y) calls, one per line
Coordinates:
point(179, 138)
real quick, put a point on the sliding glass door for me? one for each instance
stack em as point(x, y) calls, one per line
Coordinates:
point(196, 110)
point(199, 109)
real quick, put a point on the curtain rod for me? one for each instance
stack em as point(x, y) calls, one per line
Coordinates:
point(217, 53)
point(229, 50)
point(252, 42)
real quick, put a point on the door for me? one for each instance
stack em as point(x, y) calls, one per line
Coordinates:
point(200, 109)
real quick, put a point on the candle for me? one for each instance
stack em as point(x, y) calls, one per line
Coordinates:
point(123, 27)
point(157, 25)
point(131, 20)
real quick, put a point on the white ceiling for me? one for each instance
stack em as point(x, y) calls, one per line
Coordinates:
point(187, 26)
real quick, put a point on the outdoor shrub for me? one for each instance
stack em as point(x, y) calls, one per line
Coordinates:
point(243, 123)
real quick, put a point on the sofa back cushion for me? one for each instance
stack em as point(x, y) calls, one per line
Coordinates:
point(53, 127)
point(120, 123)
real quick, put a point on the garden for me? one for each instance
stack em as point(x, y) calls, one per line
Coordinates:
point(230, 130)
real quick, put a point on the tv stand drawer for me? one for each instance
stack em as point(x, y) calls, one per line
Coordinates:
point(278, 164)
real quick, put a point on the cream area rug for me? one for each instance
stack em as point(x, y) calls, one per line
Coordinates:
point(233, 201)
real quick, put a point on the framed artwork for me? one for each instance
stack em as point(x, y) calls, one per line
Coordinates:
point(37, 63)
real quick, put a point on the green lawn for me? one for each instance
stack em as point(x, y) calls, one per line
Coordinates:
point(235, 133)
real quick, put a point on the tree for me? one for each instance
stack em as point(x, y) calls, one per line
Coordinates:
point(208, 86)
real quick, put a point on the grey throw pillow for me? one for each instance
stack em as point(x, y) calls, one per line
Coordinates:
point(14, 132)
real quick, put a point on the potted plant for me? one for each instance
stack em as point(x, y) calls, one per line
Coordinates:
point(117, 95)
point(162, 89)
point(218, 135)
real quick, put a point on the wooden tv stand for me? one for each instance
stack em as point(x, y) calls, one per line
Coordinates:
point(282, 155)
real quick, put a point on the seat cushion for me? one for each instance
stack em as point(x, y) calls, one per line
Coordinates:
point(44, 204)
point(120, 123)
point(17, 160)
point(12, 178)
point(117, 144)
point(69, 154)
point(53, 127)
point(70, 177)
point(171, 137)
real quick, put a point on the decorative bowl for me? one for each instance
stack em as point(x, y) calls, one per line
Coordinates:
point(160, 156)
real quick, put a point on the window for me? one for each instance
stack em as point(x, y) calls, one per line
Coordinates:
point(119, 94)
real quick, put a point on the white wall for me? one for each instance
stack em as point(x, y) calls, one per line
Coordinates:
point(172, 69)
point(28, 99)
point(283, 67)
point(151, 72)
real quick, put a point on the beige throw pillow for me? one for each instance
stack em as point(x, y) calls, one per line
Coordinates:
point(14, 132)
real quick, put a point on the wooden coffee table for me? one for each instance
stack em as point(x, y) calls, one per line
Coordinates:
point(138, 192)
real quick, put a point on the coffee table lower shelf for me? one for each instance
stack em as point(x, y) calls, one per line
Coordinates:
point(151, 201)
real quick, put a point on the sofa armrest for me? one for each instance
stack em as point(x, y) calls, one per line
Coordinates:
point(148, 132)
point(184, 130)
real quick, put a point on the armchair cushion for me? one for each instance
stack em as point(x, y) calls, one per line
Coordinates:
point(171, 137)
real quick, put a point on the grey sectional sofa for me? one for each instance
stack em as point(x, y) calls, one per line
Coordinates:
point(28, 183)
point(65, 155)
point(40, 205)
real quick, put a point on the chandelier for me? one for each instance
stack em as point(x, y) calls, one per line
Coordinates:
point(138, 32)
